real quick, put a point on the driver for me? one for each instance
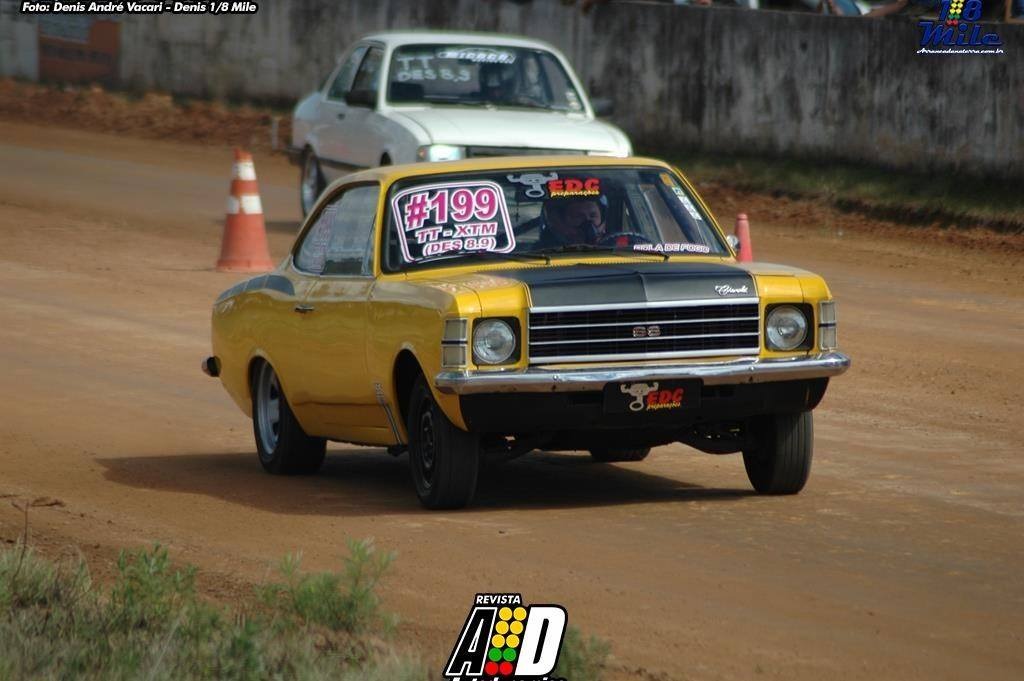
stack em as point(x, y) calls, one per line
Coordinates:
point(497, 83)
point(573, 221)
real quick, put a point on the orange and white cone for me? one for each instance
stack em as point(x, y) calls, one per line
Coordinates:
point(746, 251)
point(244, 245)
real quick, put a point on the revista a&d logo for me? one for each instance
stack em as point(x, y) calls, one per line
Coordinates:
point(957, 31)
point(505, 640)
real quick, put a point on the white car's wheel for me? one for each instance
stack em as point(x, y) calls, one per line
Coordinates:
point(311, 183)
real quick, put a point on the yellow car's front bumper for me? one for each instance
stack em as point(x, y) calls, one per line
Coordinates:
point(541, 380)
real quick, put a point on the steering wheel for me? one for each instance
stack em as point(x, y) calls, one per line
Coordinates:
point(530, 100)
point(623, 239)
point(529, 225)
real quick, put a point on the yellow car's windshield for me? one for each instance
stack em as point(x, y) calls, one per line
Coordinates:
point(544, 212)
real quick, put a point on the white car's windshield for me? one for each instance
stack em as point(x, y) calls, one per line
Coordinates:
point(478, 75)
point(542, 213)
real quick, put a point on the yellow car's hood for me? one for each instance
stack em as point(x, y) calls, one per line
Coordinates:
point(606, 283)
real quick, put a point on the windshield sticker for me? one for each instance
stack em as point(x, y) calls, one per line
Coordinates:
point(478, 55)
point(420, 67)
point(688, 205)
point(535, 182)
point(452, 218)
point(672, 248)
point(460, 76)
point(667, 180)
point(573, 187)
point(319, 238)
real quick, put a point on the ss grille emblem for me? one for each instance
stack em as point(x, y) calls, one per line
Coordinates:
point(646, 331)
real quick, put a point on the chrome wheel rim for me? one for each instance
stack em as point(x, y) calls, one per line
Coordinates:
point(309, 182)
point(268, 409)
point(427, 448)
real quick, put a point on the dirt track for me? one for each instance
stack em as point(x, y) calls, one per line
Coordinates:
point(901, 560)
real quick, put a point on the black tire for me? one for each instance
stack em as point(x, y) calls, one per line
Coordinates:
point(613, 455)
point(444, 461)
point(780, 462)
point(311, 182)
point(283, 448)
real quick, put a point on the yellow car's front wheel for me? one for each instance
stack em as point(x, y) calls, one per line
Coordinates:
point(779, 460)
point(443, 459)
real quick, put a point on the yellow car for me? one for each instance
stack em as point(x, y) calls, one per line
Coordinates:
point(485, 308)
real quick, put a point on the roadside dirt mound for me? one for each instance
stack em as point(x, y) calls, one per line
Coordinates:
point(727, 201)
point(153, 115)
point(160, 116)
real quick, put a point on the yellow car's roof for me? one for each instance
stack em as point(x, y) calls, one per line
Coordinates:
point(389, 174)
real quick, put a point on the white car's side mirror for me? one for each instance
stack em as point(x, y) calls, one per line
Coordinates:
point(734, 241)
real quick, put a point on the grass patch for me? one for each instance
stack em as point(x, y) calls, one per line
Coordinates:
point(582, 658)
point(944, 198)
point(55, 622)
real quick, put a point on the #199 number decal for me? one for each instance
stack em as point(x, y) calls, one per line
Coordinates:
point(451, 219)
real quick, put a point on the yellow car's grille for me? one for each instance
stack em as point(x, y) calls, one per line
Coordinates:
point(644, 331)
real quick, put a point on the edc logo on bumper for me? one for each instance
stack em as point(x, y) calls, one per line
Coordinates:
point(503, 639)
point(647, 397)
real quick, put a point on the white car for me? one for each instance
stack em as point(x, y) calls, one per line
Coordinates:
point(440, 96)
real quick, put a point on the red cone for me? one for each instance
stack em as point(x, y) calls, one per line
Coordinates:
point(244, 245)
point(746, 251)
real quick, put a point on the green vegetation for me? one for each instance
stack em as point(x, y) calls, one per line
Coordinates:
point(942, 198)
point(58, 623)
point(150, 623)
point(582, 658)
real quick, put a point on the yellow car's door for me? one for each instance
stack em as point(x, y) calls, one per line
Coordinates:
point(279, 329)
point(339, 398)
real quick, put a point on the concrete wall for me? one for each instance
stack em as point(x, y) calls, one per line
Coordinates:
point(19, 53)
point(716, 80)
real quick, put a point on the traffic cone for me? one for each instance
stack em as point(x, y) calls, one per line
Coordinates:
point(746, 251)
point(244, 245)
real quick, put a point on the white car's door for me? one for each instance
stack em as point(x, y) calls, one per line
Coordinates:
point(362, 127)
point(331, 133)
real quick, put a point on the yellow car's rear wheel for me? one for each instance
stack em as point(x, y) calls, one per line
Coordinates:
point(444, 460)
point(282, 444)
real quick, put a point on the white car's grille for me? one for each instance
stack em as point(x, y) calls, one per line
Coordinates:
point(484, 152)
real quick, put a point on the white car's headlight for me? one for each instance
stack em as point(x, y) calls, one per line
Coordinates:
point(494, 341)
point(440, 152)
point(786, 328)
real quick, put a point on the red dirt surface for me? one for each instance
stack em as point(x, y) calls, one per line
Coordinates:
point(900, 560)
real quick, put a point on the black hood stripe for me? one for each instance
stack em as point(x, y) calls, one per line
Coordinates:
point(274, 282)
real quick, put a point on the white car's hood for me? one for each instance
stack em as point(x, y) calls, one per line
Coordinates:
point(521, 129)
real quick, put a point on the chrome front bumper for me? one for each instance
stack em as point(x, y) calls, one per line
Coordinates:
point(538, 380)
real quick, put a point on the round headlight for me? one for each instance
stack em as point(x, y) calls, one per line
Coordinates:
point(787, 328)
point(493, 341)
